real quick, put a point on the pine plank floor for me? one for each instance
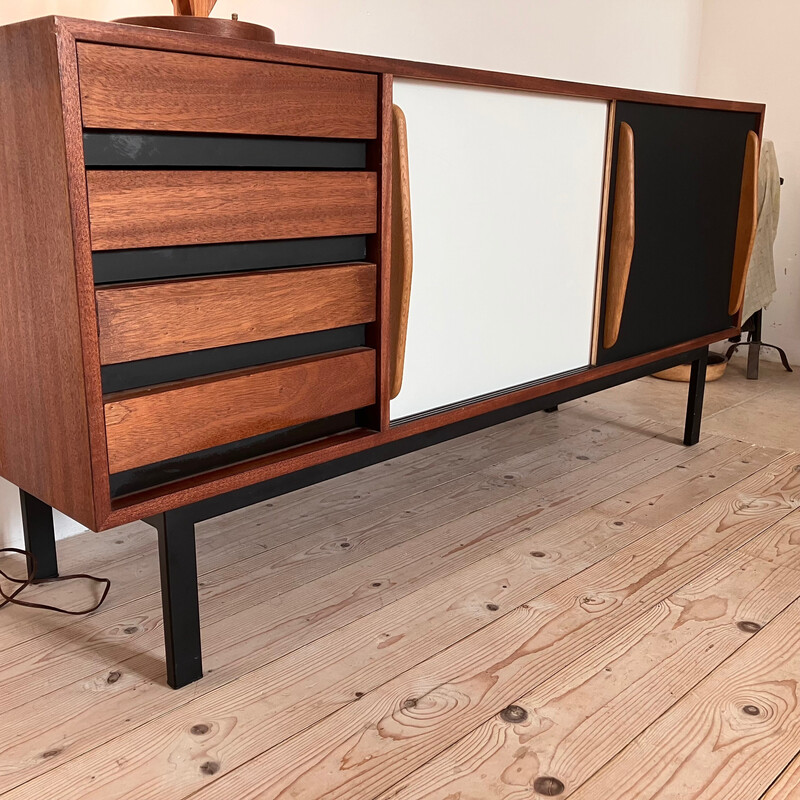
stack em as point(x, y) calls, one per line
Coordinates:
point(566, 605)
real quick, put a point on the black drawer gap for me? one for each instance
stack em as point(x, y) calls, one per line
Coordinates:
point(173, 469)
point(131, 150)
point(163, 369)
point(157, 263)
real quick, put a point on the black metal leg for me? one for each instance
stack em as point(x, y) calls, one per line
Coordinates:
point(176, 549)
point(40, 535)
point(754, 348)
point(753, 353)
point(551, 409)
point(694, 408)
point(754, 344)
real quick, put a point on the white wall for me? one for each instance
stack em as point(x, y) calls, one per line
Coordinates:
point(651, 44)
point(749, 51)
point(647, 45)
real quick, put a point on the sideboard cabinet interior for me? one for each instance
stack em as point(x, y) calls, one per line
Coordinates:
point(231, 268)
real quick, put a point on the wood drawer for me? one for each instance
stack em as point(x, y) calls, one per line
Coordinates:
point(164, 208)
point(158, 319)
point(176, 419)
point(135, 89)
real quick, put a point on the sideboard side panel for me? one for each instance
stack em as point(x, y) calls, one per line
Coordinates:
point(44, 439)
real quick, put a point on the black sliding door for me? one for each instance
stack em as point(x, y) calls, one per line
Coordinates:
point(687, 179)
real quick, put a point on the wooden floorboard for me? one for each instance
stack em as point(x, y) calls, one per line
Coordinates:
point(129, 559)
point(362, 636)
point(311, 609)
point(367, 747)
point(728, 737)
point(588, 712)
point(224, 594)
point(787, 784)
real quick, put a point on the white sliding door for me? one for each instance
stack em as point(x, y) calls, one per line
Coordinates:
point(506, 191)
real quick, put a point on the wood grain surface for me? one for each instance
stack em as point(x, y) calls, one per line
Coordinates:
point(402, 249)
point(162, 208)
point(84, 271)
point(728, 737)
point(44, 435)
point(156, 319)
point(623, 236)
point(187, 416)
point(572, 724)
point(787, 787)
point(746, 224)
point(371, 746)
point(150, 90)
point(128, 36)
point(351, 663)
point(383, 525)
point(319, 585)
point(407, 554)
point(439, 472)
point(199, 8)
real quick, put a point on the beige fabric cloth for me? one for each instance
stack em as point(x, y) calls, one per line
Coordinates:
point(761, 275)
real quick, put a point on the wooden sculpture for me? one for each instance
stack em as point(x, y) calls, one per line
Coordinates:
point(193, 8)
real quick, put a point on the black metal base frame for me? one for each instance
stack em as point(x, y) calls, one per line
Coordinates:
point(754, 345)
point(176, 537)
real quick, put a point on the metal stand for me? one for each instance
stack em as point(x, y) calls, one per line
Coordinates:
point(40, 535)
point(179, 600)
point(694, 407)
point(754, 344)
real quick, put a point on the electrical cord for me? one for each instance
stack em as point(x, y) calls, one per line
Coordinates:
point(30, 560)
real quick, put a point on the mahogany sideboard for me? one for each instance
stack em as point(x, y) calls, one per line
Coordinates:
point(206, 290)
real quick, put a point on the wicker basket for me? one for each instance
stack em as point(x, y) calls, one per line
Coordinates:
point(716, 369)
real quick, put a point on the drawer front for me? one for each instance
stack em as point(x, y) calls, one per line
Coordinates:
point(148, 427)
point(136, 89)
point(158, 319)
point(163, 208)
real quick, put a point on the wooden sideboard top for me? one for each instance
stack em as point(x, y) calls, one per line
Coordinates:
point(178, 41)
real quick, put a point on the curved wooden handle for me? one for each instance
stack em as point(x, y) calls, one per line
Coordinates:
point(623, 233)
point(402, 253)
point(746, 226)
point(193, 8)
